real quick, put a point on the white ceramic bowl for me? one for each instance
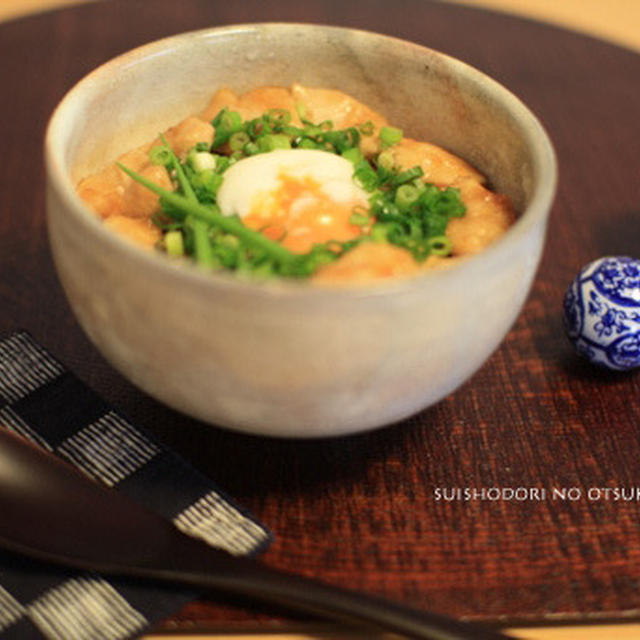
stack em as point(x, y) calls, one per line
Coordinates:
point(290, 359)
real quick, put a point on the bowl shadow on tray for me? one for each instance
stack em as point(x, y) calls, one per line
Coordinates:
point(555, 350)
point(265, 464)
point(579, 368)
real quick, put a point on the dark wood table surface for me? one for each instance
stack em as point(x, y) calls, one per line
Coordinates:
point(363, 511)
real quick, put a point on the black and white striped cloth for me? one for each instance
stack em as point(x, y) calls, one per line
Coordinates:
point(43, 401)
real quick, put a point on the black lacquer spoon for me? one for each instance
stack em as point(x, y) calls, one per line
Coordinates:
point(52, 512)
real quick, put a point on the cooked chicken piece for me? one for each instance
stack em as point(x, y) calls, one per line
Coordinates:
point(439, 166)
point(252, 104)
point(139, 231)
point(368, 261)
point(343, 110)
point(188, 133)
point(113, 193)
point(488, 216)
point(328, 104)
point(315, 105)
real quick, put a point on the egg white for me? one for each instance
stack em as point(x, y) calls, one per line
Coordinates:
point(250, 179)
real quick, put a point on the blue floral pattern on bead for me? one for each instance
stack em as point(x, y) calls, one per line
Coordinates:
point(602, 312)
point(611, 318)
point(625, 352)
point(619, 280)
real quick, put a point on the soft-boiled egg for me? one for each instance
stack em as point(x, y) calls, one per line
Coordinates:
point(296, 196)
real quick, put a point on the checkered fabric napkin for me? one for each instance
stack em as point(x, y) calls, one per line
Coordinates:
point(44, 402)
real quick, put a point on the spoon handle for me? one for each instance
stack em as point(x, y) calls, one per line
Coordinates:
point(199, 565)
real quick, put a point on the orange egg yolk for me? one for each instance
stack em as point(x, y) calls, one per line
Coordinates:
point(299, 214)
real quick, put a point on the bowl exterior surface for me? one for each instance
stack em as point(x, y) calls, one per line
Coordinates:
point(287, 359)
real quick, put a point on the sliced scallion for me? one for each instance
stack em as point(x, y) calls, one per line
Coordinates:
point(202, 161)
point(238, 140)
point(273, 141)
point(174, 243)
point(440, 245)
point(390, 136)
point(212, 215)
point(359, 219)
point(406, 195)
point(160, 155)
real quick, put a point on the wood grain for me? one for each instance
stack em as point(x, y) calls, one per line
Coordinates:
point(363, 511)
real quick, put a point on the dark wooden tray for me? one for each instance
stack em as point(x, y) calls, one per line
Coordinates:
point(363, 511)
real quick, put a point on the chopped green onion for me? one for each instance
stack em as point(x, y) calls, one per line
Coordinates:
point(222, 163)
point(339, 141)
point(174, 243)
point(403, 210)
point(353, 154)
point(301, 110)
point(257, 127)
point(202, 161)
point(160, 155)
point(407, 176)
point(406, 195)
point(273, 141)
point(279, 116)
point(251, 148)
point(307, 143)
point(418, 184)
point(184, 183)
point(359, 219)
point(365, 176)
point(367, 128)
point(238, 140)
point(225, 124)
point(213, 216)
point(379, 232)
point(390, 136)
point(450, 198)
point(440, 245)
point(202, 247)
point(292, 132)
point(312, 130)
point(206, 184)
point(385, 160)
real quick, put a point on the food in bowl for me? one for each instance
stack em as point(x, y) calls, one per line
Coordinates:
point(298, 182)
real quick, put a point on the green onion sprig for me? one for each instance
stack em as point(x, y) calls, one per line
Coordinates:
point(183, 206)
point(403, 209)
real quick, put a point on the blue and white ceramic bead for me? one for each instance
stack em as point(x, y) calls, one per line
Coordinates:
point(602, 312)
